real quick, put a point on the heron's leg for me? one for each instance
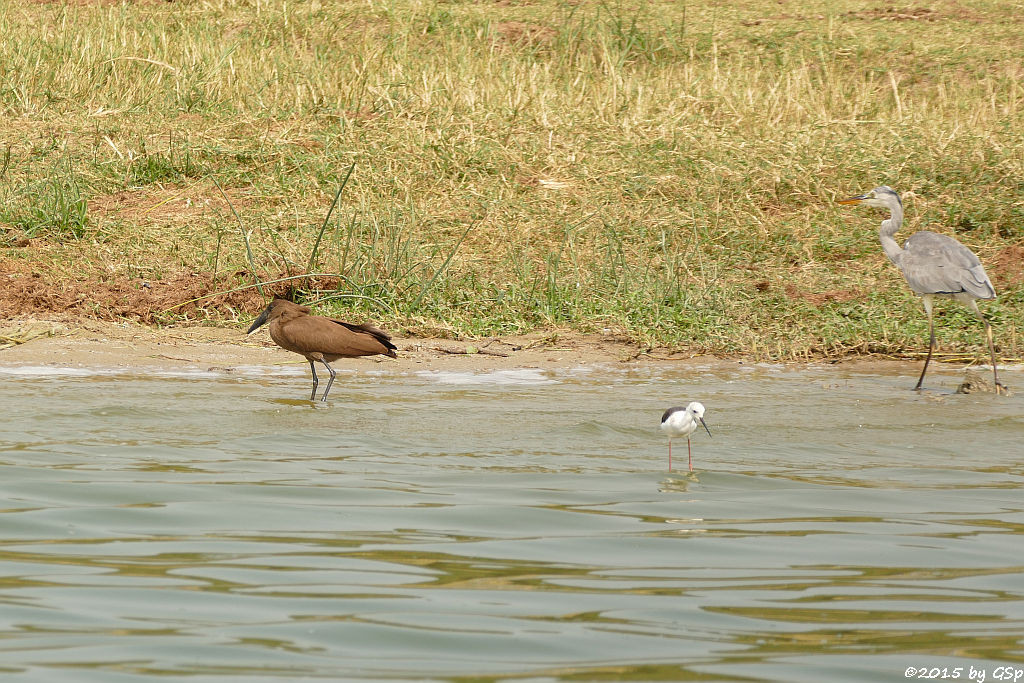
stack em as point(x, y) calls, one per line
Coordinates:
point(988, 337)
point(312, 397)
point(931, 339)
point(689, 453)
point(330, 381)
point(991, 350)
point(670, 455)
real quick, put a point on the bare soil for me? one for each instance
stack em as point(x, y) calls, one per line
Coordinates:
point(30, 288)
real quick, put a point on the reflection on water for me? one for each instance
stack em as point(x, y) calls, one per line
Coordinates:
point(514, 524)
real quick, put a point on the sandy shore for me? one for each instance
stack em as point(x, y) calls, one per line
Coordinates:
point(100, 344)
point(90, 343)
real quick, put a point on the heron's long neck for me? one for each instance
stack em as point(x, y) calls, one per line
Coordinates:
point(888, 229)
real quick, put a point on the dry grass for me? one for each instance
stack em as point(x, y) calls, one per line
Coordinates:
point(658, 169)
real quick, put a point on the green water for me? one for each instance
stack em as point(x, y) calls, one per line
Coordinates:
point(214, 526)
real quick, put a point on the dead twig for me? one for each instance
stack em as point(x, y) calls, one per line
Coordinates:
point(14, 337)
point(470, 351)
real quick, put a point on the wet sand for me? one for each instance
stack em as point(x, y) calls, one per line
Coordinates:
point(90, 343)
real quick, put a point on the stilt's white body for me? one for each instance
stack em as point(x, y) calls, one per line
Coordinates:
point(678, 422)
point(682, 421)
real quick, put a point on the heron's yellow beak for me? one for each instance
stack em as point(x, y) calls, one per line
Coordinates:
point(852, 200)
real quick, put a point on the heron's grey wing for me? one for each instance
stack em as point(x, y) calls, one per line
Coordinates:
point(938, 264)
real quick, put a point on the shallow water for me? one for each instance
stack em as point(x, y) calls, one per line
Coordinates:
point(214, 526)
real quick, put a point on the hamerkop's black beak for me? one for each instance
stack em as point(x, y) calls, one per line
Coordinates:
point(260, 321)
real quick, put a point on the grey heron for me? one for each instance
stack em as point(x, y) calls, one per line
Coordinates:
point(933, 265)
point(679, 421)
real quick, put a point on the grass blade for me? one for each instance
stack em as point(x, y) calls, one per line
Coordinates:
point(245, 237)
point(327, 218)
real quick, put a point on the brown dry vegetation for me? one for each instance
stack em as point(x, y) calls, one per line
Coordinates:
point(29, 291)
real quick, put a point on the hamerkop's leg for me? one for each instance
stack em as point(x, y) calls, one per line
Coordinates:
point(312, 397)
point(330, 381)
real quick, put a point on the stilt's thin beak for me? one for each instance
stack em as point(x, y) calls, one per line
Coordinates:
point(258, 322)
point(852, 200)
point(705, 425)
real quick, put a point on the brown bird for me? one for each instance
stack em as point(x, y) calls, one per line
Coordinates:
point(320, 339)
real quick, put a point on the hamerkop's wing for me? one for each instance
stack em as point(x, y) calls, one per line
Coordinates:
point(365, 327)
point(313, 334)
point(378, 334)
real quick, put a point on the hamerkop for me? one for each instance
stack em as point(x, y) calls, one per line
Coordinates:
point(320, 339)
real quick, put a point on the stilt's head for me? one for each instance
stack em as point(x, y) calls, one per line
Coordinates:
point(697, 410)
point(882, 197)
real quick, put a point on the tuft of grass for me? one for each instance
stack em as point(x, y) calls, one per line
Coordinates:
point(173, 165)
point(56, 208)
